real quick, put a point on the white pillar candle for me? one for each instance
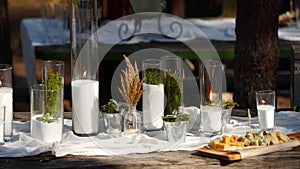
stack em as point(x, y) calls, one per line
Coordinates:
point(266, 116)
point(2, 122)
point(153, 106)
point(85, 97)
point(6, 99)
point(211, 119)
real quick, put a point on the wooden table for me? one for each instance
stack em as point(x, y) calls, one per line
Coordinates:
point(178, 159)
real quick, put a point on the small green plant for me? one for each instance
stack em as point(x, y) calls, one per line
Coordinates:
point(229, 105)
point(111, 107)
point(176, 118)
point(173, 93)
point(53, 105)
point(153, 77)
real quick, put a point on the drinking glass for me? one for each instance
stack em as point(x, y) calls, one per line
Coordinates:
point(6, 98)
point(265, 102)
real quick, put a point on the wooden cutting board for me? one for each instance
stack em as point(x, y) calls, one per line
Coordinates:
point(251, 152)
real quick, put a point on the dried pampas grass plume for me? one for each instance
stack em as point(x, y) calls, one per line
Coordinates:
point(131, 84)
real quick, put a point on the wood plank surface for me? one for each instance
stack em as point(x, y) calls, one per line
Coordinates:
point(179, 159)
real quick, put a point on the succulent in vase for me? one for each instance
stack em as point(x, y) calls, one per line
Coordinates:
point(176, 127)
point(112, 116)
point(176, 118)
point(153, 77)
point(229, 105)
point(111, 107)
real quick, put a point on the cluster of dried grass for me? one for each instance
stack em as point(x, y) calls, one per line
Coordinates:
point(131, 83)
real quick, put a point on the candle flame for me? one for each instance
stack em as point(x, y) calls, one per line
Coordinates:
point(263, 101)
point(0, 83)
point(210, 93)
point(84, 73)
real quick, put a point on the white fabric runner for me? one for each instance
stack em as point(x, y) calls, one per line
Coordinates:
point(104, 144)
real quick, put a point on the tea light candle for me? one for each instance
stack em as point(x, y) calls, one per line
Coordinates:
point(85, 114)
point(6, 99)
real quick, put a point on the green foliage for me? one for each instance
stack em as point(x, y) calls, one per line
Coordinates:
point(53, 106)
point(173, 93)
point(153, 77)
point(176, 118)
point(111, 107)
point(229, 105)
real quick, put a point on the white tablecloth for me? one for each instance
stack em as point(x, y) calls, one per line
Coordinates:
point(104, 144)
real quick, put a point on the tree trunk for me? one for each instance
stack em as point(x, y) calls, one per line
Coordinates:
point(5, 51)
point(256, 50)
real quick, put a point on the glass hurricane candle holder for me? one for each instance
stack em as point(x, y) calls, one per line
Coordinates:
point(6, 99)
point(210, 98)
point(2, 123)
point(84, 16)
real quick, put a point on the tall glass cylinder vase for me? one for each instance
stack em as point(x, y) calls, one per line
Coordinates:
point(173, 84)
point(46, 107)
point(6, 99)
point(153, 96)
point(211, 98)
point(53, 72)
point(84, 16)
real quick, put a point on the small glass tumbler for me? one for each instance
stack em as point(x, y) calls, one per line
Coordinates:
point(265, 104)
point(2, 123)
point(176, 131)
point(6, 99)
point(46, 107)
point(113, 123)
point(211, 98)
point(153, 96)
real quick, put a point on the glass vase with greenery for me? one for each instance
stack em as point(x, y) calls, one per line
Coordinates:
point(173, 92)
point(53, 80)
point(53, 106)
point(153, 97)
